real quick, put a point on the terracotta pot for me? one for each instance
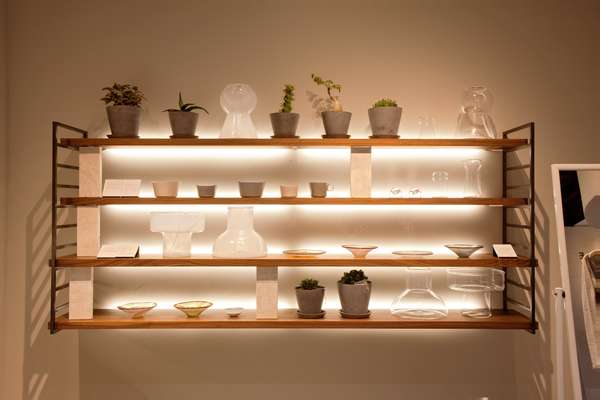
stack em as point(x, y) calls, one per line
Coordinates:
point(310, 301)
point(355, 298)
point(124, 121)
point(385, 121)
point(165, 188)
point(183, 123)
point(284, 124)
point(336, 123)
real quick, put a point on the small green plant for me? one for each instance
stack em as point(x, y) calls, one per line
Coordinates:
point(186, 107)
point(354, 276)
point(309, 284)
point(123, 95)
point(385, 103)
point(288, 98)
point(330, 86)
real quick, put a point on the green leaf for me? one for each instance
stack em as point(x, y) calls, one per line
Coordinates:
point(180, 100)
point(198, 108)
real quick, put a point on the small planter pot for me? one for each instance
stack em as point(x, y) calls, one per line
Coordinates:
point(385, 121)
point(124, 121)
point(336, 123)
point(252, 190)
point(284, 124)
point(165, 188)
point(310, 301)
point(355, 298)
point(183, 124)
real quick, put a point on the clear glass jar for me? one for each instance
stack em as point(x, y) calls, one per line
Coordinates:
point(474, 119)
point(419, 301)
point(477, 285)
point(472, 178)
point(240, 240)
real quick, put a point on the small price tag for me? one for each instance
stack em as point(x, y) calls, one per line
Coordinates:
point(122, 188)
point(504, 251)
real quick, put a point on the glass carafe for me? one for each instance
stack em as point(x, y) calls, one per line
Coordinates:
point(477, 285)
point(238, 100)
point(240, 240)
point(419, 301)
point(472, 178)
point(474, 119)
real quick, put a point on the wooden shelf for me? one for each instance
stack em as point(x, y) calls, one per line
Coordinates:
point(216, 319)
point(275, 260)
point(489, 144)
point(480, 201)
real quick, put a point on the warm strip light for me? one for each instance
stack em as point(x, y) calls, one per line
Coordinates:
point(386, 208)
point(438, 153)
point(215, 209)
point(212, 152)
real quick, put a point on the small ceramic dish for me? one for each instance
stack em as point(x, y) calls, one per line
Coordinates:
point(233, 312)
point(355, 316)
point(304, 253)
point(192, 309)
point(310, 316)
point(359, 251)
point(463, 250)
point(137, 309)
point(413, 253)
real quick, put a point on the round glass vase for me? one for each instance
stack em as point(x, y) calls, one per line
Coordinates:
point(477, 285)
point(240, 240)
point(419, 301)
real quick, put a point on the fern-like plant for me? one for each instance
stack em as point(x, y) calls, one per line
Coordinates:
point(122, 95)
point(186, 107)
point(385, 103)
point(309, 284)
point(329, 86)
point(353, 277)
point(288, 98)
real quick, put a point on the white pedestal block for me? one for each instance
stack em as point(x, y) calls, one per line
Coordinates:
point(266, 292)
point(360, 172)
point(81, 280)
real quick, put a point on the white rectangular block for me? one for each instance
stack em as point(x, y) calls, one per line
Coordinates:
point(90, 172)
point(360, 172)
point(88, 231)
point(81, 293)
point(266, 292)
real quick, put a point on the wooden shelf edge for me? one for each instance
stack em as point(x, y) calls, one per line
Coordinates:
point(491, 144)
point(276, 260)
point(480, 201)
point(216, 319)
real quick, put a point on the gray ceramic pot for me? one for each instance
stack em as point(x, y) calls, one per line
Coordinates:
point(385, 121)
point(183, 123)
point(310, 301)
point(355, 298)
point(284, 124)
point(251, 189)
point(124, 121)
point(336, 123)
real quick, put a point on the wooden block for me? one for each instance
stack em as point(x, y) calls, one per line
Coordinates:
point(81, 293)
point(360, 172)
point(266, 292)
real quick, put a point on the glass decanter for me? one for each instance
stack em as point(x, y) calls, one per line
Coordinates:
point(472, 178)
point(473, 119)
point(419, 301)
point(477, 285)
point(238, 100)
point(240, 240)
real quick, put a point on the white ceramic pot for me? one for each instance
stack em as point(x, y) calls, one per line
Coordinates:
point(165, 188)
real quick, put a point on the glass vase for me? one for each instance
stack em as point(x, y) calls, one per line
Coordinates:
point(240, 240)
point(419, 301)
point(472, 178)
point(474, 119)
point(477, 285)
point(238, 100)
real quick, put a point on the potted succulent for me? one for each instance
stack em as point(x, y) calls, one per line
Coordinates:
point(183, 119)
point(354, 289)
point(309, 295)
point(285, 122)
point(335, 120)
point(123, 109)
point(384, 118)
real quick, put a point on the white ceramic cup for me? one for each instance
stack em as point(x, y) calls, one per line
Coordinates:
point(288, 191)
point(165, 188)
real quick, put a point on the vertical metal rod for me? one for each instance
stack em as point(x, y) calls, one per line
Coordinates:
point(532, 221)
point(504, 222)
point(54, 217)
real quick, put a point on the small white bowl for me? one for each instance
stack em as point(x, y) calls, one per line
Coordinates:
point(233, 312)
point(137, 309)
point(359, 251)
point(463, 250)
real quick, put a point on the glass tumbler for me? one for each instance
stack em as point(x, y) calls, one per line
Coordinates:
point(472, 178)
point(440, 183)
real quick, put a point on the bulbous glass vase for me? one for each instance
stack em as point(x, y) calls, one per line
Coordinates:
point(474, 119)
point(238, 100)
point(419, 301)
point(240, 240)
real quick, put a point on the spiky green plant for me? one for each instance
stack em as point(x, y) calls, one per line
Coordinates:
point(122, 95)
point(385, 103)
point(288, 98)
point(354, 276)
point(330, 86)
point(309, 284)
point(186, 107)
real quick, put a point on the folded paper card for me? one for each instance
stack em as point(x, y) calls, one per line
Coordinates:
point(504, 251)
point(121, 250)
point(122, 187)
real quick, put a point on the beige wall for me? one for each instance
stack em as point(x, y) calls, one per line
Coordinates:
point(539, 59)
